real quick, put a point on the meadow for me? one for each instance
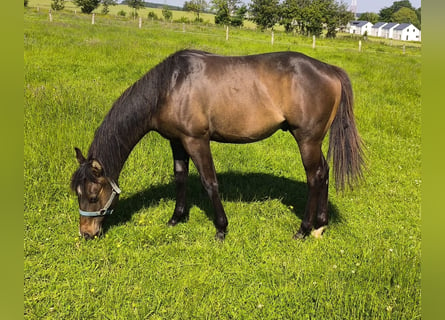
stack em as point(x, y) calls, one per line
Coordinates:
point(366, 265)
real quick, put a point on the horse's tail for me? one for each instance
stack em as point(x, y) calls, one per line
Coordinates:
point(345, 145)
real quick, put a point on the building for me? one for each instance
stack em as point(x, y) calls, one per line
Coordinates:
point(376, 30)
point(406, 32)
point(360, 27)
point(388, 29)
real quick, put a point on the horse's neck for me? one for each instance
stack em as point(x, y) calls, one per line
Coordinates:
point(116, 137)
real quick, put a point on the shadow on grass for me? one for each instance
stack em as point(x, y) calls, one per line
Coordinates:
point(233, 186)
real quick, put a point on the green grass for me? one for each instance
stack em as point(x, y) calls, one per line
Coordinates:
point(367, 265)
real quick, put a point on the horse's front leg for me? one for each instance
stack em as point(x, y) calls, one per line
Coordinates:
point(181, 170)
point(199, 151)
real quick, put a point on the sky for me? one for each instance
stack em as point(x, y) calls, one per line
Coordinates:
point(362, 5)
point(377, 5)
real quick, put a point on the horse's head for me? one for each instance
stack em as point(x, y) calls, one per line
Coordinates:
point(96, 194)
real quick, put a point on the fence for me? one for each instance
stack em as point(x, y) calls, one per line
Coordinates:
point(211, 30)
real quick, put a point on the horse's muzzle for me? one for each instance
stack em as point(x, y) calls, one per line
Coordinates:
point(87, 235)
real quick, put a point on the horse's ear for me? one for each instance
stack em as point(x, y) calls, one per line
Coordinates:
point(80, 158)
point(97, 168)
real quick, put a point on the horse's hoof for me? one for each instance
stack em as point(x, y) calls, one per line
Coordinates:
point(220, 236)
point(172, 222)
point(300, 235)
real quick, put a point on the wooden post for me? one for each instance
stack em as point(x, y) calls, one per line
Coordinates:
point(272, 38)
point(75, 12)
point(359, 45)
point(313, 42)
point(92, 19)
point(403, 48)
point(140, 22)
point(227, 33)
point(50, 16)
point(183, 27)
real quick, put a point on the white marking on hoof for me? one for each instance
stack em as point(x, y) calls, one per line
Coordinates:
point(318, 233)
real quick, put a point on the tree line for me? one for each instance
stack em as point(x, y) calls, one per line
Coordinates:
point(306, 17)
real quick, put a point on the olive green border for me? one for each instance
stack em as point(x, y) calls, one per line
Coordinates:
point(433, 191)
point(11, 183)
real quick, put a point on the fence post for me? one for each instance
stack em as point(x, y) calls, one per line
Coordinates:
point(272, 38)
point(140, 22)
point(183, 27)
point(50, 16)
point(92, 19)
point(403, 48)
point(359, 45)
point(313, 42)
point(227, 33)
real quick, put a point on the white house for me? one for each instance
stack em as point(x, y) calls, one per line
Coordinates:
point(406, 32)
point(388, 29)
point(376, 29)
point(360, 27)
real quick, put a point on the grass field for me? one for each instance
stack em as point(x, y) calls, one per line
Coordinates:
point(367, 265)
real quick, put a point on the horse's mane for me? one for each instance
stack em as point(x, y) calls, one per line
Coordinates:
point(128, 119)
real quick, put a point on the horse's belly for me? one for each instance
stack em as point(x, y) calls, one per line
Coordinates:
point(244, 127)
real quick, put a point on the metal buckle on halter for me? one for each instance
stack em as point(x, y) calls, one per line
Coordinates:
point(106, 209)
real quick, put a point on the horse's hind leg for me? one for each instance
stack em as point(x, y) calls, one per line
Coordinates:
point(317, 173)
point(199, 150)
point(181, 170)
point(322, 210)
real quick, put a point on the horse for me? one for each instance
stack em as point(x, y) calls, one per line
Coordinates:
point(194, 97)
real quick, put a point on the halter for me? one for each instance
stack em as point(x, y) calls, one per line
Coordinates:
point(106, 209)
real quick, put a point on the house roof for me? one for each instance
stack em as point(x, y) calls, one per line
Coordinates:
point(378, 25)
point(402, 26)
point(359, 23)
point(390, 25)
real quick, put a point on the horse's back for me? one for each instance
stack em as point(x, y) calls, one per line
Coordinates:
point(247, 98)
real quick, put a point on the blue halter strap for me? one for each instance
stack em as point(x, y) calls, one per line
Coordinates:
point(106, 209)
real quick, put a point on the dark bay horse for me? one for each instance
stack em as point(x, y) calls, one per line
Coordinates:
point(193, 97)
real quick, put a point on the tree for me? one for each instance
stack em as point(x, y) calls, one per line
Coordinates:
point(197, 6)
point(136, 5)
point(57, 4)
point(290, 13)
point(229, 12)
point(265, 13)
point(419, 16)
point(87, 6)
point(336, 16)
point(166, 13)
point(369, 16)
point(309, 17)
point(106, 4)
point(405, 15)
point(314, 16)
point(237, 20)
point(387, 12)
point(222, 15)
